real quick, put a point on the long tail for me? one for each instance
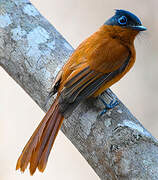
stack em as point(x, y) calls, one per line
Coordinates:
point(37, 149)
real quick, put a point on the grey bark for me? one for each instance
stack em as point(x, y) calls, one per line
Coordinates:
point(116, 145)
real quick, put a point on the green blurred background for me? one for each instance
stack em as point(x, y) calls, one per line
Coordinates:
point(75, 20)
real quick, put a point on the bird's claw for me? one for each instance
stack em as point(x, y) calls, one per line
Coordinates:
point(111, 105)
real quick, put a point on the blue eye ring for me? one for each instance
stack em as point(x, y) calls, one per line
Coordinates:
point(122, 20)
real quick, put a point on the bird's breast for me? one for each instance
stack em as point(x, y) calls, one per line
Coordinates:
point(116, 75)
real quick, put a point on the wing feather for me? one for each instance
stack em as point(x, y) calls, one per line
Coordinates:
point(86, 82)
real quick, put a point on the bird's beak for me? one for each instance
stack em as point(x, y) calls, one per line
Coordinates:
point(139, 28)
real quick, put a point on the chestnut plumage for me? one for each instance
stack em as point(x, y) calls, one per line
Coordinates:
point(99, 61)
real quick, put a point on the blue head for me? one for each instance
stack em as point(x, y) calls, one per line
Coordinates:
point(126, 19)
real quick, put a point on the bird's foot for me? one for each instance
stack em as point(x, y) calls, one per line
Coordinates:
point(111, 105)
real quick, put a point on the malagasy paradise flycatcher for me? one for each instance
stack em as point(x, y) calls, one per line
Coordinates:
point(99, 61)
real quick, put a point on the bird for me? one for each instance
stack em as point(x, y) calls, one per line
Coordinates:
point(97, 63)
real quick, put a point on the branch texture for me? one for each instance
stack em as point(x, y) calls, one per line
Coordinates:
point(116, 145)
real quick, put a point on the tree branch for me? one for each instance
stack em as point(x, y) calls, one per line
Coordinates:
point(116, 145)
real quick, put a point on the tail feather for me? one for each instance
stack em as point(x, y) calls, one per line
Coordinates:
point(36, 154)
point(42, 138)
point(46, 152)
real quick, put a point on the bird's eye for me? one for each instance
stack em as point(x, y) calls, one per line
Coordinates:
point(122, 20)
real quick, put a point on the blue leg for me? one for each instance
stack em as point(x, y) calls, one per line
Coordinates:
point(111, 105)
